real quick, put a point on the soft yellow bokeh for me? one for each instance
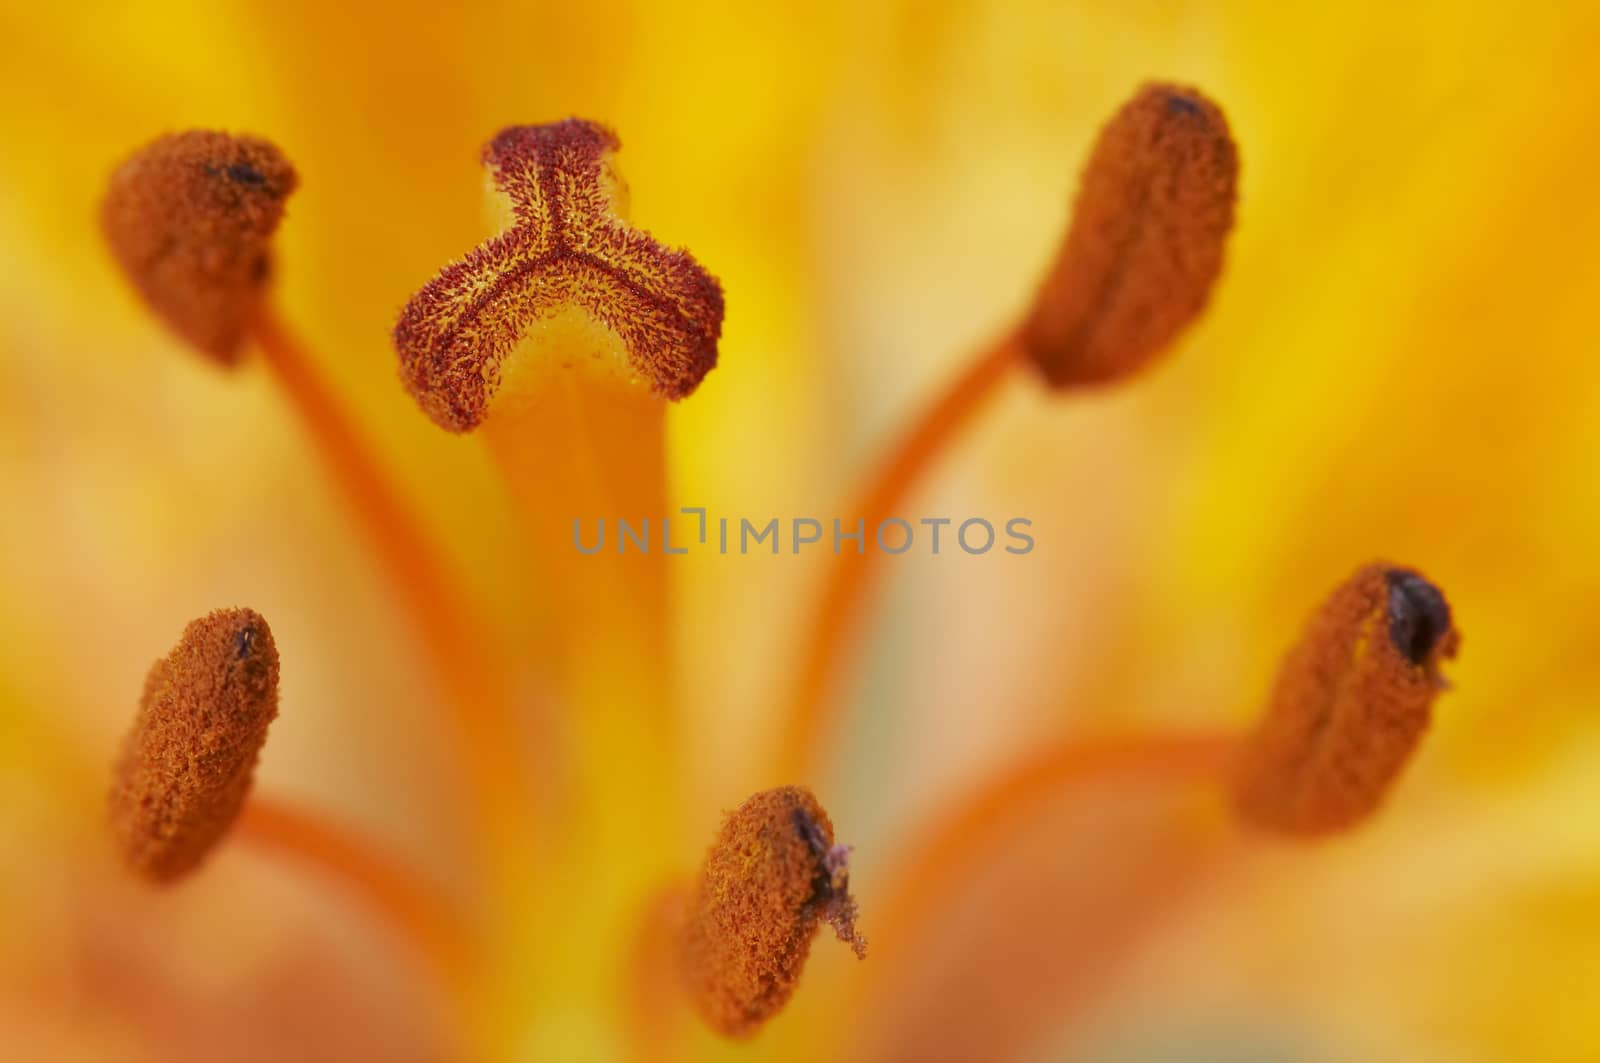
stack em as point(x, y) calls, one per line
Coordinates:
point(1400, 362)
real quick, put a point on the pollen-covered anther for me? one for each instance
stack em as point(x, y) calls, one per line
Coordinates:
point(1350, 705)
point(185, 768)
point(567, 249)
point(1145, 245)
point(772, 875)
point(189, 218)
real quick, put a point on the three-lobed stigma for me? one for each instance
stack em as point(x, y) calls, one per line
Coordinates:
point(567, 248)
point(1145, 246)
point(1351, 703)
point(189, 218)
point(186, 766)
point(771, 876)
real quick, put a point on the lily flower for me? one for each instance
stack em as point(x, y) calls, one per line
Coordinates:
point(1269, 738)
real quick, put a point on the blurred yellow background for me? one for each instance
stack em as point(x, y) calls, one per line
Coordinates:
point(1400, 362)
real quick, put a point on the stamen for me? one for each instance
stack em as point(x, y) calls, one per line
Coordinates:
point(189, 218)
point(1137, 266)
point(772, 874)
point(185, 771)
point(1350, 706)
point(186, 766)
point(566, 249)
point(1146, 242)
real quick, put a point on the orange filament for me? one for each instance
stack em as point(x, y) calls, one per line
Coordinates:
point(809, 711)
point(977, 896)
point(450, 630)
point(413, 910)
point(1350, 706)
point(189, 218)
point(1145, 246)
point(186, 766)
point(1175, 759)
point(1026, 942)
point(772, 874)
point(1136, 267)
